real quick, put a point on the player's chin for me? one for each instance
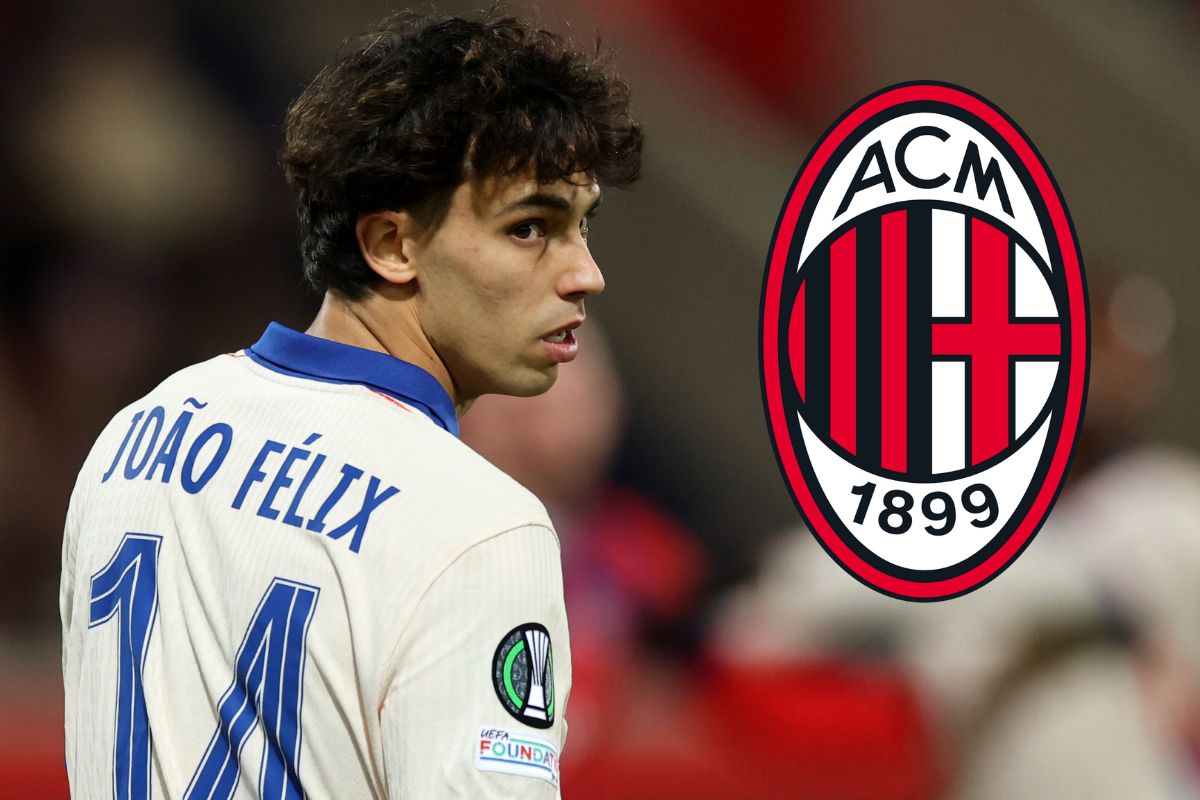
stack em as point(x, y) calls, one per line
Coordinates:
point(529, 381)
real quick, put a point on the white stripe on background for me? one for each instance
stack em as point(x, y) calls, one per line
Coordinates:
point(1033, 297)
point(949, 263)
point(949, 415)
point(1032, 383)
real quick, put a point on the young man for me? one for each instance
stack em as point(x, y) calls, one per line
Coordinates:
point(281, 569)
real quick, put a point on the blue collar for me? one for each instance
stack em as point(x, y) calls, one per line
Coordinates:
point(287, 351)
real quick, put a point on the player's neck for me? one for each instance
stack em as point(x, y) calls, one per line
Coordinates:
point(387, 325)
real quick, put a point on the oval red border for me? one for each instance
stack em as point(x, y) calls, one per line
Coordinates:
point(992, 117)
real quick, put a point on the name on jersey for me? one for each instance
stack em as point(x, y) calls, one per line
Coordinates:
point(288, 483)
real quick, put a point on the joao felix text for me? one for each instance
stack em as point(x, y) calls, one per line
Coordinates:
point(288, 483)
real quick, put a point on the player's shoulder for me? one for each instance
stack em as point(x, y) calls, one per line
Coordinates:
point(471, 498)
point(482, 480)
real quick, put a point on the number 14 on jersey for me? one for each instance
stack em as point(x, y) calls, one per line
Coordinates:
point(267, 684)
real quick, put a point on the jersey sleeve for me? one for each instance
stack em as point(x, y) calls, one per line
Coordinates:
point(68, 606)
point(66, 586)
point(482, 671)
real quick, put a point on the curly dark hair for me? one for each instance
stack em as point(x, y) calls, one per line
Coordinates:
point(410, 110)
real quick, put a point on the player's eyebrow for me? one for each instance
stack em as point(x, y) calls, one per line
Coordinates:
point(550, 201)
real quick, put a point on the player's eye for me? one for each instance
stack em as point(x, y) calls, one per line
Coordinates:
point(528, 231)
point(583, 228)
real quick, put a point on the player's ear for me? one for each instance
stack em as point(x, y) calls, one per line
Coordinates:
point(387, 240)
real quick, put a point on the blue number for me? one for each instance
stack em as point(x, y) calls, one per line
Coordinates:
point(128, 584)
point(268, 686)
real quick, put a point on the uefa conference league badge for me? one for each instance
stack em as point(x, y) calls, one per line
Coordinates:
point(523, 674)
point(924, 341)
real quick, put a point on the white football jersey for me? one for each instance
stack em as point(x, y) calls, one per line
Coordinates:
point(284, 576)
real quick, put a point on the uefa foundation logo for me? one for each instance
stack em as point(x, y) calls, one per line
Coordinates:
point(924, 341)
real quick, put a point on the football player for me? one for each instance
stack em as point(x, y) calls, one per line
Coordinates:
point(282, 570)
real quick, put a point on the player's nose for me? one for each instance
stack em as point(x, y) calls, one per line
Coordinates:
point(582, 276)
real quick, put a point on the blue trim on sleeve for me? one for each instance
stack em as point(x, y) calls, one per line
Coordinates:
point(290, 352)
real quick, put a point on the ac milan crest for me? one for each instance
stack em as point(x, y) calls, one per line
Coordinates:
point(924, 341)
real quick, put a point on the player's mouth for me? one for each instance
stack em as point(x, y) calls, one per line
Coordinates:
point(562, 344)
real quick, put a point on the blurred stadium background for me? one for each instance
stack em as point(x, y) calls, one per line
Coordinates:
point(144, 225)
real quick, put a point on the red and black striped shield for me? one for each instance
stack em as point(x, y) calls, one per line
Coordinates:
point(924, 341)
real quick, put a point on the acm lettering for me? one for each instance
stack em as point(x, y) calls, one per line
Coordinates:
point(874, 170)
